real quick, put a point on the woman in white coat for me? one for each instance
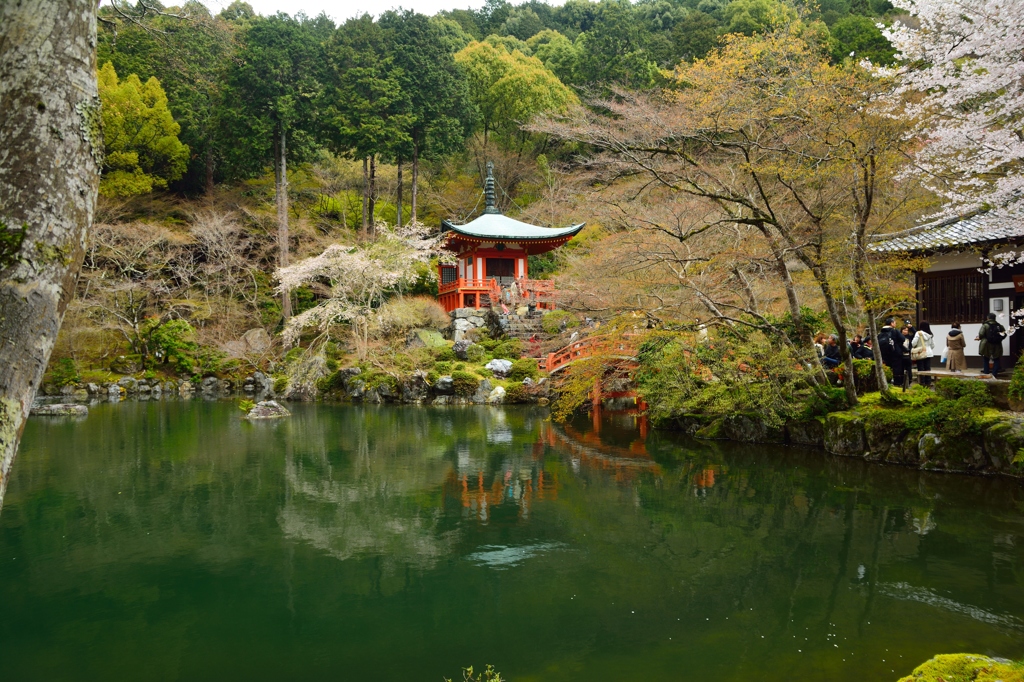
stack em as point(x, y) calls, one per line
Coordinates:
point(922, 348)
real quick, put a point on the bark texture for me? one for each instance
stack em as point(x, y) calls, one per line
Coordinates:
point(415, 179)
point(51, 148)
point(281, 194)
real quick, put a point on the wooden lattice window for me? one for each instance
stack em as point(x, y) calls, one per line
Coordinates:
point(449, 273)
point(953, 297)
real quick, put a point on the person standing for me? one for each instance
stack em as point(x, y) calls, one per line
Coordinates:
point(922, 348)
point(890, 345)
point(907, 332)
point(991, 347)
point(956, 361)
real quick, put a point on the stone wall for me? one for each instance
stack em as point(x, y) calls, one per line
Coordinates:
point(998, 448)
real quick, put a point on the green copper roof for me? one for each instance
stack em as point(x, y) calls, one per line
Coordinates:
point(498, 227)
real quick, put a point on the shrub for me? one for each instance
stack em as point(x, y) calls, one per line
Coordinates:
point(1017, 381)
point(445, 354)
point(465, 383)
point(246, 405)
point(403, 313)
point(523, 368)
point(974, 393)
point(443, 367)
point(820, 403)
point(517, 393)
point(280, 383)
point(557, 320)
point(64, 372)
point(174, 342)
point(508, 349)
point(476, 353)
point(459, 366)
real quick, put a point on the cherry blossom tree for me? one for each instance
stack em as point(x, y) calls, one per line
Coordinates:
point(358, 280)
point(962, 81)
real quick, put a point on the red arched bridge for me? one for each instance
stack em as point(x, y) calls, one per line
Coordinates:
point(619, 350)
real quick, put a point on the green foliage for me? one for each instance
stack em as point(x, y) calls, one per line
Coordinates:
point(280, 383)
point(476, 353)
point(523, 368)
point(517, 393)
point(140, 136)
point(954, 410)
point(509, 89)
point(445, 354)
point(443, 366)
point(741, 372)
point(966, 668)
point(1017, 382)
point(246, 405)
point(505, 349)
point(757, 16)
point(820, 402)
point(552, 322)
point(858, 38)
point(175, 342)
point(972, 393)
point(465, 383)
point(64, 372)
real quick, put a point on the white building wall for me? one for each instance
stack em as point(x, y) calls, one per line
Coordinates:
point(959, 261)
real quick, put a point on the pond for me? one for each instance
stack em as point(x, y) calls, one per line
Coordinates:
point(173, 541)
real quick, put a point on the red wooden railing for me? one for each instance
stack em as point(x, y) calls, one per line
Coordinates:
point(585, 348)
point(465, 292)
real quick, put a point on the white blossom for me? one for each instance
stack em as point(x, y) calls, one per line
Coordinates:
point(962, 79)
point(359, 278)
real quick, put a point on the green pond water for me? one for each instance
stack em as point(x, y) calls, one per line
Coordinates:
point(173, 541)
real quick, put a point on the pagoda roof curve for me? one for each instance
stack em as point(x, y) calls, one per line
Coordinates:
point(498, 227)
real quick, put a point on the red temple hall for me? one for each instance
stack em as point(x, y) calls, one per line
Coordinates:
point(492, 265)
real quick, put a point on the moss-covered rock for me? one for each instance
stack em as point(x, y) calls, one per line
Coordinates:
point(966, 668)
point(806, 431)
point(689, 423)
point(713, 431)
point(748, 428)
point(951, 454)
point(1003, 441)
point(844, 435)
point(891, 437)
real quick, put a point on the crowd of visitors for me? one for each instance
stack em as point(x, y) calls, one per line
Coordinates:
point(906, 347)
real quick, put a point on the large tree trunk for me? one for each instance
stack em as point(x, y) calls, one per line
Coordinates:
point(366, 194)
point(50, 152)
point(399, 221)
point(281, 190)
point(371, 194)
point(415, 180)
point(208, 185)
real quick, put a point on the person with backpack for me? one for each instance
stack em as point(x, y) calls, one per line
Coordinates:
point(922, 348)
point(890, 345)
point(991, 347)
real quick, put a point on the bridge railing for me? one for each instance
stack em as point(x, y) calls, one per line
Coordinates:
point(585, 348)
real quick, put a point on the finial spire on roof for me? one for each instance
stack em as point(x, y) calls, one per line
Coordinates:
point(489, 198)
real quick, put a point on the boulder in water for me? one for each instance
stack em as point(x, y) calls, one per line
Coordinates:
point(60, 410)
point(496, 396)
point(268, 409)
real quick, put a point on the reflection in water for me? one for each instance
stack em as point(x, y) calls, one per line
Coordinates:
point(407, 542)
point(498, 556)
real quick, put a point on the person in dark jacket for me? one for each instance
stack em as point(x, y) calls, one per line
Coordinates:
point(830, 356)
point(991, 347)
point(890, 344)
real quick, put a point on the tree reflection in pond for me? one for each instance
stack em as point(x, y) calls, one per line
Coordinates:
point(173, 538)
